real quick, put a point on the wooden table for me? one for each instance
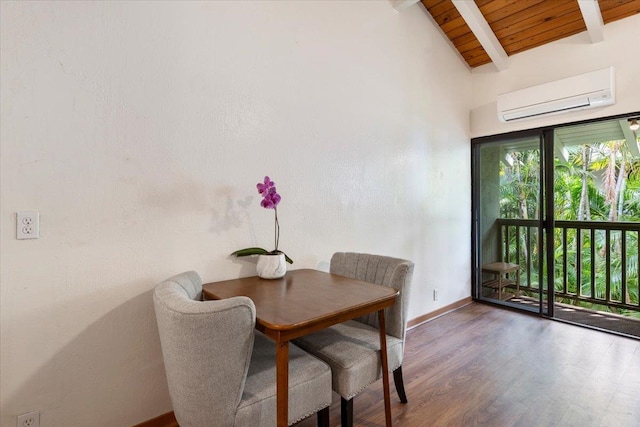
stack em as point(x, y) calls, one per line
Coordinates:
point(302, 302)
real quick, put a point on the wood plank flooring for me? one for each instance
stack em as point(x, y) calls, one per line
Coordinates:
point(486, 366)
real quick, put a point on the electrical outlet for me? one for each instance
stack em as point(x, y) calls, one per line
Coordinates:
point(30, 419)
point(435, 294)
point(27, 225)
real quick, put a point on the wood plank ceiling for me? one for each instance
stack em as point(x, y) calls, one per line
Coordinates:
point(521, 25)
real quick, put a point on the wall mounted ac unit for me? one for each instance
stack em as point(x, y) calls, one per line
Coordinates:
point(589, 90)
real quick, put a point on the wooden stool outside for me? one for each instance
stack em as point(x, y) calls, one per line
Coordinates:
point(501, 271)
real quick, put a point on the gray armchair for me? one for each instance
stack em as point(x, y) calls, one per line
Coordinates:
point(352, 348)
point(220, 371)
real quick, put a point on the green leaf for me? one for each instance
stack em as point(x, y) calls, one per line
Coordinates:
point(286, 257)
point(260, 251)
point(250, 251)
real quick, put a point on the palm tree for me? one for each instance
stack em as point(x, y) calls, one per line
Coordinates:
point(600, 182)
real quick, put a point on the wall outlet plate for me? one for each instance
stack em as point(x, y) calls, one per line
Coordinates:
point(30, 419)
point(27, 225)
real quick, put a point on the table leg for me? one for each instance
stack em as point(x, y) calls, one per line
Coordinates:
point(282, 383)
point(385, 368)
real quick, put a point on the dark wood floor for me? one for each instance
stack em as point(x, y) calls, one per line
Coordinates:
point(486, 366)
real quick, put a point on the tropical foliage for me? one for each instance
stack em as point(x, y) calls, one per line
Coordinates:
point(598, 183)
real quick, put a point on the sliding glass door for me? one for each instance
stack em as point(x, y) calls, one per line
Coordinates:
point(556, 222)
point(509, 209)
point(597, 224)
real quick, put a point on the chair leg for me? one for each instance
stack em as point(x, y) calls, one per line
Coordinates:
point(323, 417)
point(346, 412)
point(397, 379)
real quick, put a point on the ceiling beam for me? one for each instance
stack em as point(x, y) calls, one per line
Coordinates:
point(400, 5)
point(560, 150)
point(506, 159)
point(593, 19)
point(629, 135)
point(481, 29)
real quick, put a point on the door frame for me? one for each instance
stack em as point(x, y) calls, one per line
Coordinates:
point(546, 224)
point(542, 134)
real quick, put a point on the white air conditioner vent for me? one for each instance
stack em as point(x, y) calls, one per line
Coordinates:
point(589, 90)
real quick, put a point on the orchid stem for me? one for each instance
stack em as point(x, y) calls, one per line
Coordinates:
point(277, 232)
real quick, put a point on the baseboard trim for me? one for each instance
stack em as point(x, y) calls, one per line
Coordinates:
point(164, 420)
point(437, 313)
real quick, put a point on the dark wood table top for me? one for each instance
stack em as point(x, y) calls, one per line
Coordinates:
point(304, 301)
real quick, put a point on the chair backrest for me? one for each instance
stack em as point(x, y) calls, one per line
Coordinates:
point(382, 270)
point(206, 346)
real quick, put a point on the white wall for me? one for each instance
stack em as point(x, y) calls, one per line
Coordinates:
point(564, 58)
point(139, 130)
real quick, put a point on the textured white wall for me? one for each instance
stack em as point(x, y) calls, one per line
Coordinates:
point(139, 130)
point(564, 58)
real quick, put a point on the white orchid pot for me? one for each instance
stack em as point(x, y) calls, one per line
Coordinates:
point(271, 266)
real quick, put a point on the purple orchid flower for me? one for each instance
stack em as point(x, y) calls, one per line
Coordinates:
point(264, 187)
point(270, 196)
point(270, 200)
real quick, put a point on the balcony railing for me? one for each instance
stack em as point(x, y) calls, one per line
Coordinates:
point(595, 262)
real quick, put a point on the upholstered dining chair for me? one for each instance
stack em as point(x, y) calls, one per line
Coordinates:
point(352, 348)
point(220, 371)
